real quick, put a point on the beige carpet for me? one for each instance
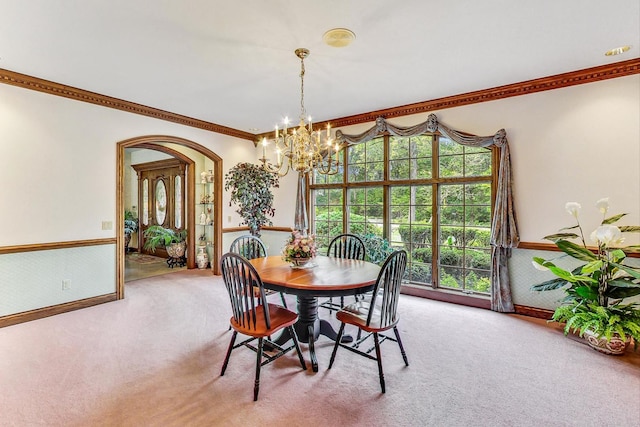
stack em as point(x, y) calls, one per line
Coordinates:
point(154, 359)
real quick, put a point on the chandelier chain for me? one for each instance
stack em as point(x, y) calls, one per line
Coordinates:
point(303, 111)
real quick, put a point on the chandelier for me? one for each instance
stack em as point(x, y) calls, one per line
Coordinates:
point(302, 149)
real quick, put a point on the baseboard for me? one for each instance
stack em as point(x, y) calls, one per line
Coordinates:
point(446, 296)
point(540, 313)
point(39, 313)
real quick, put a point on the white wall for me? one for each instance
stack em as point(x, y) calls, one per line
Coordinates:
point(60, 157)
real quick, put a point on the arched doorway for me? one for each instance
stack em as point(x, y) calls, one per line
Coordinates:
point(156, 142)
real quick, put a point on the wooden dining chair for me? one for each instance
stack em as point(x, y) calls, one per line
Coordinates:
point(253, 317)
point(347, 246)
point(251, 247)
point(376, 314)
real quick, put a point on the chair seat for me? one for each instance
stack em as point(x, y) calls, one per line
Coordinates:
point(357, 313)
point(280, 318)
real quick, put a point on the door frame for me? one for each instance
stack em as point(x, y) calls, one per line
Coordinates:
point(154, 142)
point(186, 171)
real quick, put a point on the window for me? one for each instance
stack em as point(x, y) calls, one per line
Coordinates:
point(425, 194)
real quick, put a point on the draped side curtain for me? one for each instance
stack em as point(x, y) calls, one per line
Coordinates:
point(504, 230)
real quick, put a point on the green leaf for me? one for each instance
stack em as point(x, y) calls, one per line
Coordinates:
point(549, 285)
point(559, 236)
point(622, 288)
point(587, 292)
point(631, 271)
point(618, 255)
point(576, 251)
point(629, 228)
point(613, 219)
point(592, 266)
point(570, 228)
point(625, 282)
point(634, 249)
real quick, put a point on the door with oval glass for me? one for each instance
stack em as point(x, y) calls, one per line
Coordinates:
point(160, 197)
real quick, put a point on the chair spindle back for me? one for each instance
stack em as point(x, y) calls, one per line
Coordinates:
point(347, 246)
point(241, 280)
point(388, 288)
point(249, 246)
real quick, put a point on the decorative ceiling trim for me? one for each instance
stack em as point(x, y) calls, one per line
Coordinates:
point(588, 75)
point(52, 88)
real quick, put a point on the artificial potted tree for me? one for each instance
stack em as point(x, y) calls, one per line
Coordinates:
point(250, 187)
point(593, 304)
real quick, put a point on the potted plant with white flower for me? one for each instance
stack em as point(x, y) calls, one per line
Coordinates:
point(593, 306)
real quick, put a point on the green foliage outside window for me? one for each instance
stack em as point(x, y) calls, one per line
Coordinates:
point(463, 205)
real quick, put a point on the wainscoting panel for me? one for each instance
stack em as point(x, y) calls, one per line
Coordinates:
point(524, 275)
point(33, 280)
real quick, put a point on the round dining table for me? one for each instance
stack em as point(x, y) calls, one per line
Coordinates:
point(322, 277)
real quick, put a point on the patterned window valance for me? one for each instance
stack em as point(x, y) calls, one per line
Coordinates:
point(504, 230)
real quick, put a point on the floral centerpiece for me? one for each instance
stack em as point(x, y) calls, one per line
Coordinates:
point(593, 302)
point(299, 249)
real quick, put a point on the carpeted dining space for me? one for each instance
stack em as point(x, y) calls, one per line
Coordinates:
point(154, 359)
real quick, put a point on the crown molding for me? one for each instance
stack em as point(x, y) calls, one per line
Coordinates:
point(588, 75)
point(52, 88)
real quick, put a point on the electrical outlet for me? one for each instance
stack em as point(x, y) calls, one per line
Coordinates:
point(107, 225)
point(229, 218)
point(66, 284)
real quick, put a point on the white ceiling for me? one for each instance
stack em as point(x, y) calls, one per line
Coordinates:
point(232, 62)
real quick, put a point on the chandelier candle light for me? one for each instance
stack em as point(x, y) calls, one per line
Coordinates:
point(302, 149)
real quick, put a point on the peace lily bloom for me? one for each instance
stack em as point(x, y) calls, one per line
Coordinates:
point(603, 205)
point(607, 235)
point(573, 208)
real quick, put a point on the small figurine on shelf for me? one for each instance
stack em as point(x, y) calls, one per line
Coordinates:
point(205, 199)
point(206, 176)
point(208, 218)
point(203, 218)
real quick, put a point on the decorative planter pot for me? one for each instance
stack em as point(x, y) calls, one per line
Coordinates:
point(615, 346)
point(300, 262)
point(201, 258)
point(176, 250)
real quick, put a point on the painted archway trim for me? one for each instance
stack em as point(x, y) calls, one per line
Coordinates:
point(154, 142)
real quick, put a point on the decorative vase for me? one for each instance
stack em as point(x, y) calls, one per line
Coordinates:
point(201, 258)
point(176, 250)
point(300, 262)
point(615, 346)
